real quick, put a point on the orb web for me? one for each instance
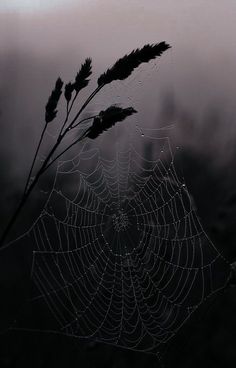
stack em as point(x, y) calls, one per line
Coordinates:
point(119, 253)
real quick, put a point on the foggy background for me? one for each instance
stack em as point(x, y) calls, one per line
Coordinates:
point(193, 85)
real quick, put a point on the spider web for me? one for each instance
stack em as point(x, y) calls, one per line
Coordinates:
point(119, 254)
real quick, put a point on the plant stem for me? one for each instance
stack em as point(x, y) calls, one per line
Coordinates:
point(26, 195)
point(64, 151)
point(68, 110)
point(85, 119)
point(35, 157)
point(28, 188)
point(93, 94)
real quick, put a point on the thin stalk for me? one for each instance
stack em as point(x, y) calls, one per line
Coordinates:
point(68, 110)
point(93, 94)
point(64, 151)
point(72, 144)
point(44, 166)
point(71, 126)
point(35, 157)
point(83, 120)
point(26, 196)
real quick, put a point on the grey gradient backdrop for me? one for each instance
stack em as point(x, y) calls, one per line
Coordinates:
point(194, 84)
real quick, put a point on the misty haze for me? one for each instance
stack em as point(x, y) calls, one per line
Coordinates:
point(122, 251)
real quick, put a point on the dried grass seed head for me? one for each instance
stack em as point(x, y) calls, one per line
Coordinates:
point(81, 79)
point(50, 109)
point(124, 67)
point(106, 119)
point(69, 88)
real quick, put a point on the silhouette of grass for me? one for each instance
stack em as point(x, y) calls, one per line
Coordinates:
point(50, 109)
point(121, 70)
point(125, 66)
point(106, 119)
point(81, 80)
